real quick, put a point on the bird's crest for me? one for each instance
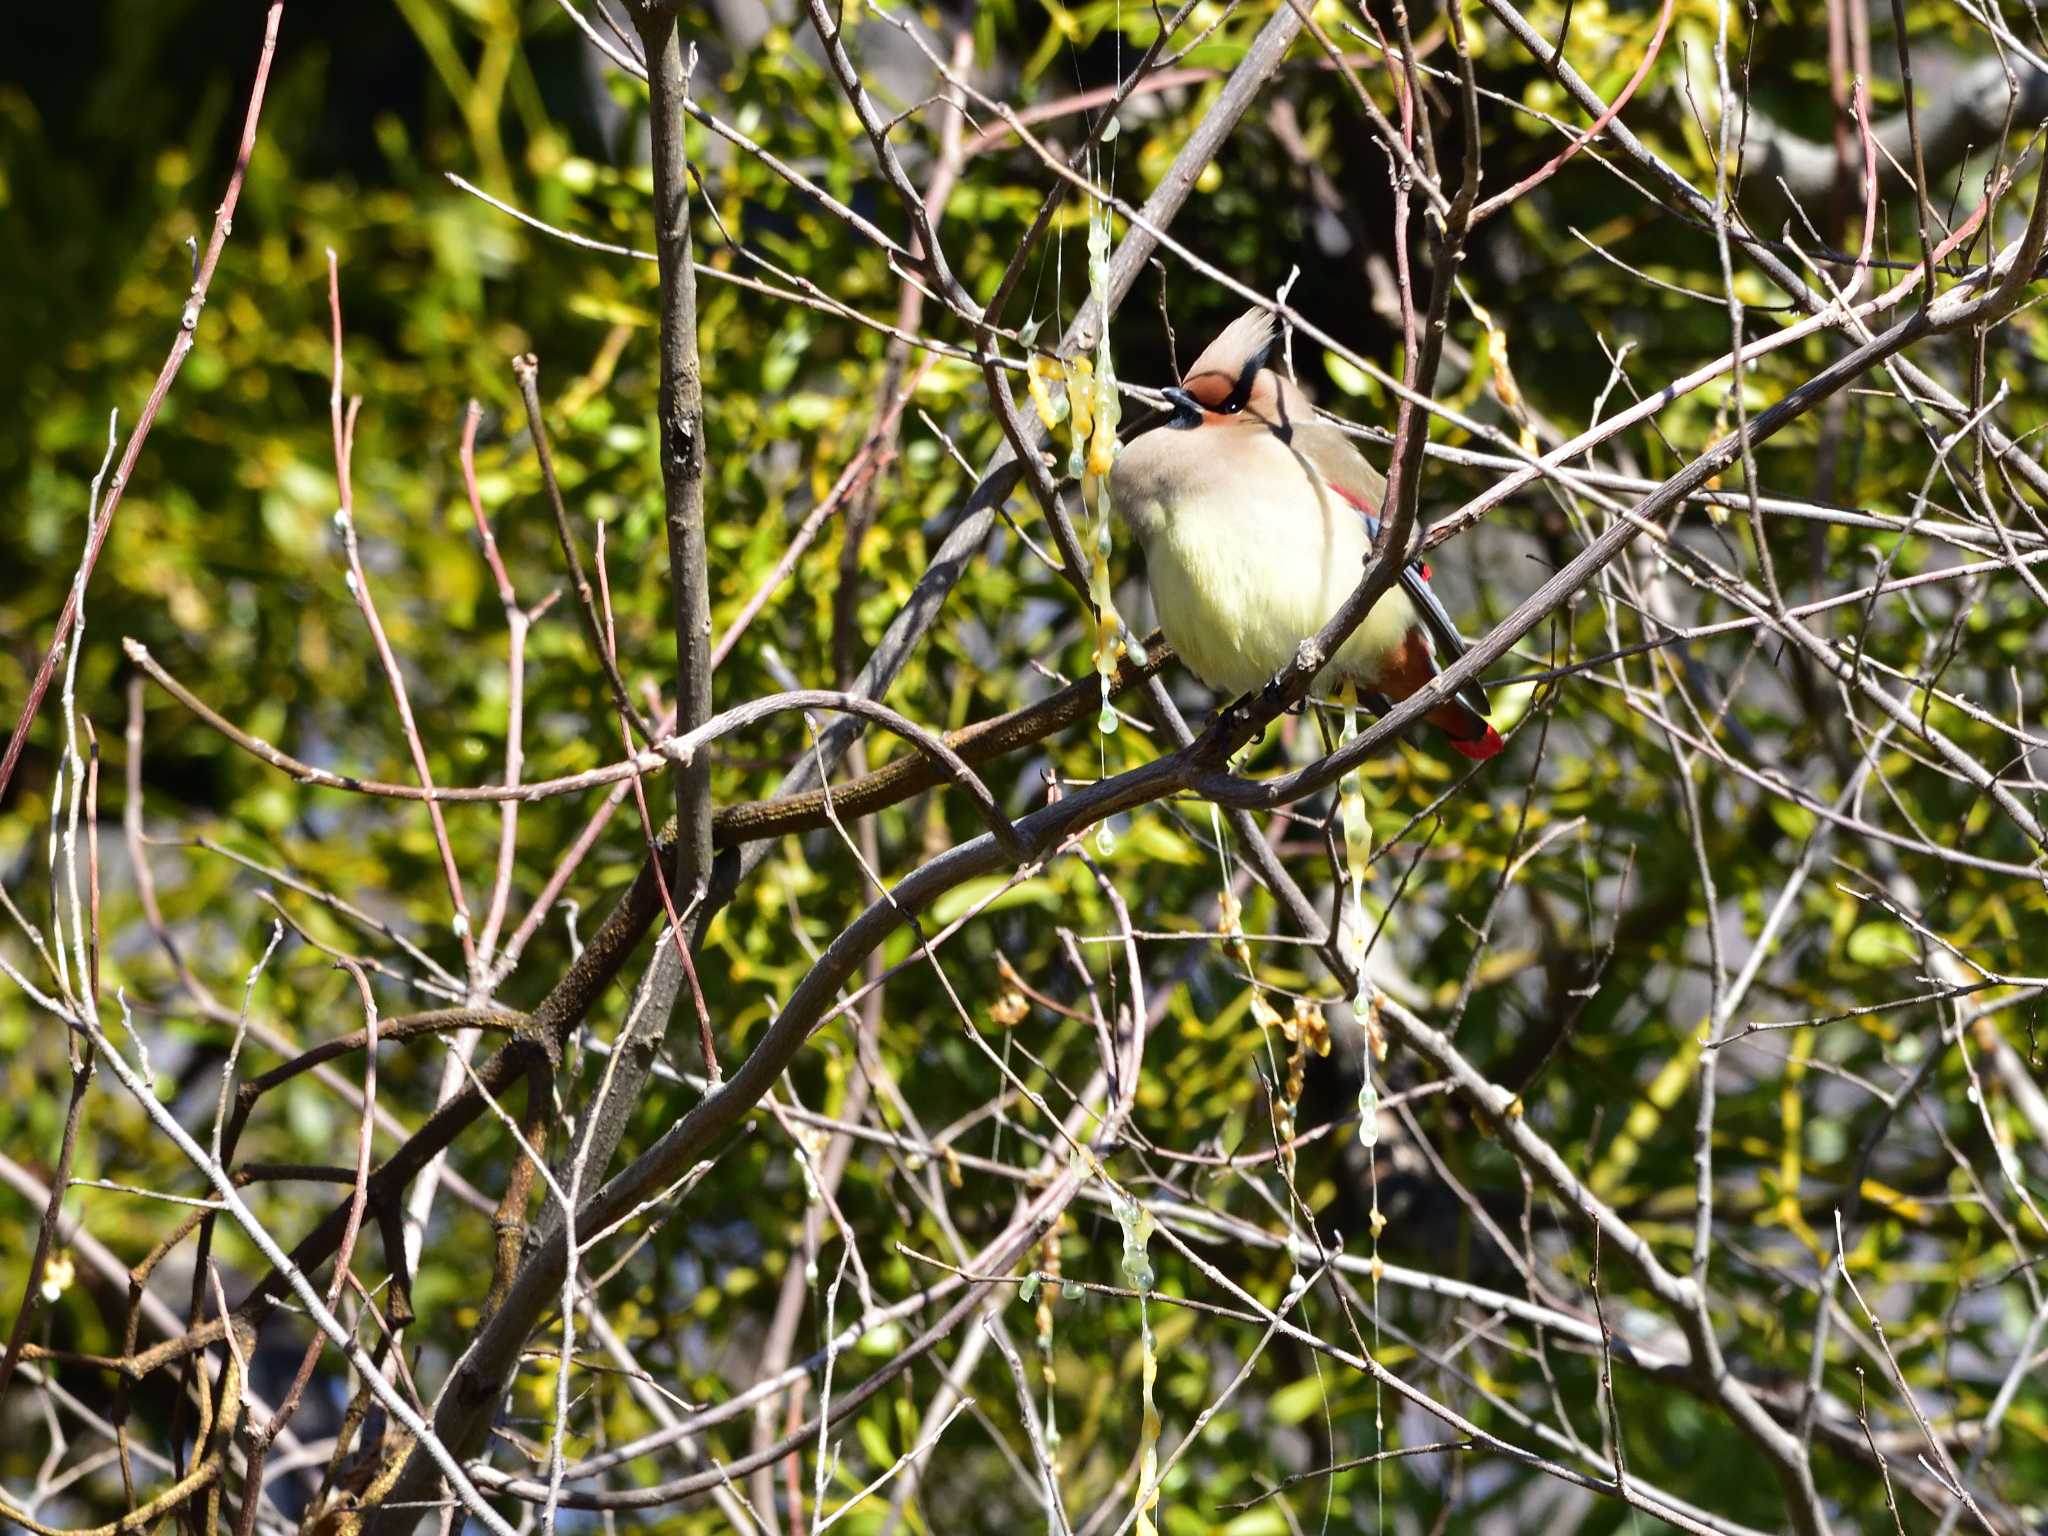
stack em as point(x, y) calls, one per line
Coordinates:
point(1243, 342)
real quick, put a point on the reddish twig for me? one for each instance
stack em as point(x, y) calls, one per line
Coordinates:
point(359, 588)
point(517, 622)
point(526, 369)
point(1551, 166)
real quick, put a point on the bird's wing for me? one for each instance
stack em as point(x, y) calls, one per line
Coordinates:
point(1337, 459)
point(1340, 463)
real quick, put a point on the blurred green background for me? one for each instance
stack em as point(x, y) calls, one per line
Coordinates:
point(117, 124)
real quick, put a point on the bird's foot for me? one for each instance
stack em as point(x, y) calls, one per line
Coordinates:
point(1223, 724)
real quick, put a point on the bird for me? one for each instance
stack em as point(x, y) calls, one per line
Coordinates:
point(1256, 520)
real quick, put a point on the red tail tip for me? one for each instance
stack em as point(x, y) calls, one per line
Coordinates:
point(1486, 746)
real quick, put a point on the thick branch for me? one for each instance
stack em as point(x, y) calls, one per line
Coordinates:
point(682, 433)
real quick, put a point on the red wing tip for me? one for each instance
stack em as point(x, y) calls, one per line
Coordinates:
point(1486, 746)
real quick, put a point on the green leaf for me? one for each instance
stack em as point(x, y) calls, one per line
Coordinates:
point(1349, 377)
point(874, 1440)
point(963, 898)
point(1882, 944)
point(1297, 1400)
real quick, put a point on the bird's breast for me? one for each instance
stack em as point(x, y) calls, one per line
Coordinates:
point(1249, 553)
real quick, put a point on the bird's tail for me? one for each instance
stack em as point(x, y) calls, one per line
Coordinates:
point(1467, 729)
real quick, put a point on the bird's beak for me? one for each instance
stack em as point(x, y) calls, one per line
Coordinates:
point(1187, 410)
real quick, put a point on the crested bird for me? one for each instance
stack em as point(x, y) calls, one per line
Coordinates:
point(1256, 520)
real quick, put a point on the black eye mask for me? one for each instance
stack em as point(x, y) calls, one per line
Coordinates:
point(1241, 392)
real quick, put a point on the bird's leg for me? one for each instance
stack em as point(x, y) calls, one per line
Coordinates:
point(1323, 726)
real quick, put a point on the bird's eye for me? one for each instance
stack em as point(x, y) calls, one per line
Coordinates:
point(1241, 393)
